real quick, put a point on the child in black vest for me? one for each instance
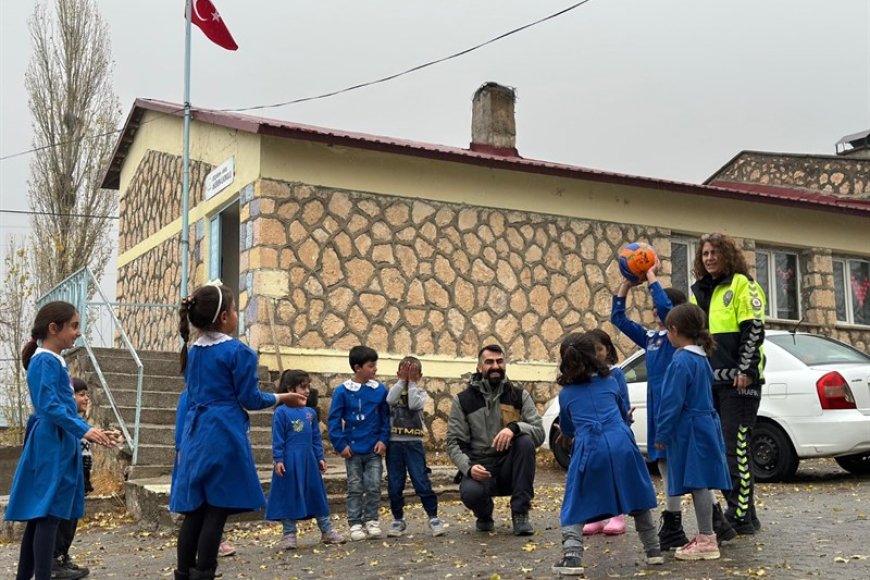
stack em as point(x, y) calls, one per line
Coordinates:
point(405, 453)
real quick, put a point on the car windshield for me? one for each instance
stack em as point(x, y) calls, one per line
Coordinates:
point(818, 350)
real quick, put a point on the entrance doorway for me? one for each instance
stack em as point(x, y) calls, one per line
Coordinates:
point(224, 247)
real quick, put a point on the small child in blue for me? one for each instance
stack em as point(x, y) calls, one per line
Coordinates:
point(405, 453)
point(359, 428)
point(215, 474)
point(49, 484)
point(607, 475)
point(605, 351)
point(688, 426)
point(297, 491)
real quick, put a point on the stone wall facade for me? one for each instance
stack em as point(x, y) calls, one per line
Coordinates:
point(848, 176)
point(411, 276)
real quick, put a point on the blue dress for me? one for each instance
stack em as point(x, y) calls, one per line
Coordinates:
point(689, 426)
point(659, 352)
point(215, 464)
point(607, 475)
point(300, 493)
point(49, 480)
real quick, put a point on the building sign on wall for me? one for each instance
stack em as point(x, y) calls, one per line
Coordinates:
point(220, 177)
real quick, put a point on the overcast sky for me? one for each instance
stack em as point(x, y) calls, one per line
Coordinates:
point(662, 88)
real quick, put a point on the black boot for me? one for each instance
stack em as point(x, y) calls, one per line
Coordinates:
point(723, 529)
point(671, 534)
point(197, 574)
point(181, 575)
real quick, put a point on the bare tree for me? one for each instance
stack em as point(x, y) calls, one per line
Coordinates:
point(16, 295)
point(75, 112)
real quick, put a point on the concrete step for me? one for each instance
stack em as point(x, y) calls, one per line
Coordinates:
point(150, 382)
point(151, 434)
point(120, 361)
point(148, 499)
point(166, 416)
point(150, 454)
point(127, 398)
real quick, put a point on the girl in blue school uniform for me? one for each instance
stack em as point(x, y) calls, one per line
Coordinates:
point(607, 475)
point(605, 351)
point(48, 485)
point(215, 474)
point(297, 491)
point(688, 426)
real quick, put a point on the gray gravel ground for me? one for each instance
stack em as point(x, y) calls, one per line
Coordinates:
point(817, 526)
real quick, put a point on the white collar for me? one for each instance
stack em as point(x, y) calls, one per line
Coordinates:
point(695, 349)
point(40, 350)
point(351, 385)
point(212, 338)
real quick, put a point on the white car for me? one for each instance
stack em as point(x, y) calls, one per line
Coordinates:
point(815, 403)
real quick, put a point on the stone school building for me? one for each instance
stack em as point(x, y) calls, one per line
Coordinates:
point(332, 239)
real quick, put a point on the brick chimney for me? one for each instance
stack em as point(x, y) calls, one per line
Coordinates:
point(493, 126)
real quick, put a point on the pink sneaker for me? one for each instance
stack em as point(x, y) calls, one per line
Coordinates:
point(226, 549)
point(615, 526)
point(593, 528)
point(701, 547)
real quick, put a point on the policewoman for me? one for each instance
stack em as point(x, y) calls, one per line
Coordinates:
point(734, 304)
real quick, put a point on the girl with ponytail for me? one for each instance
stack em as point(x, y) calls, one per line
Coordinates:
point(215, 474)
point(49, 481)
point(688, 428)
point(607, 475)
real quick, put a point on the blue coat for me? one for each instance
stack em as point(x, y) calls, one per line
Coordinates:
point(215, 464)
point(49, 480)
point(659, 353)
point(359, 417)
point(296, 442)
point(689, 426)
point(607, 475)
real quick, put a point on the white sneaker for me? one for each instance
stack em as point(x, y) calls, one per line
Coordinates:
point(357, 533)
point(373, 529)
point(437, 526)
point(397, 528)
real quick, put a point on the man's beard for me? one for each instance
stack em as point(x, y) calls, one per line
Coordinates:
point(494, 376)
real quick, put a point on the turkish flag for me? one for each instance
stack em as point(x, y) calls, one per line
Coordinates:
point(205, 15)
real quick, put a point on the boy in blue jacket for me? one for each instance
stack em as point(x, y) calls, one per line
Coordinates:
point(359, 429)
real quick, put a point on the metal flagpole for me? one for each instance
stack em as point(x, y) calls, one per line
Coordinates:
point(185, 184)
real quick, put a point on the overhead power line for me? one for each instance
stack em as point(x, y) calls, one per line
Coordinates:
point(82, 215)
point(336, 92)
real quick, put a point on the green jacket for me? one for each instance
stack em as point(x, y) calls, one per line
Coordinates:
point(480, 412)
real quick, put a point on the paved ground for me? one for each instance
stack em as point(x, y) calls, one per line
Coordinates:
point(815, 527)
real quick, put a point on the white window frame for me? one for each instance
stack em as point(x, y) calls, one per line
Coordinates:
point(847, 287)
point(691, 247)
point(771, 281)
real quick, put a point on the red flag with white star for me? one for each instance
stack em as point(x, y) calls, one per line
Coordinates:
point(205, 15)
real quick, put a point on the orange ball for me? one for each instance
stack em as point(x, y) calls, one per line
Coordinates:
point(635, 259)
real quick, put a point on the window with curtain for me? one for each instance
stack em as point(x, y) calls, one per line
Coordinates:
point(851, 287)
point(778, 274)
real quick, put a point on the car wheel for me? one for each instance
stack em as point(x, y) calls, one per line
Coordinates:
point(772, 457)
point(859, 464)
point(562, 455)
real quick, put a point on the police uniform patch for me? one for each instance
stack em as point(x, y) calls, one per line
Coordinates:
point(728, 297)
point(756, 303)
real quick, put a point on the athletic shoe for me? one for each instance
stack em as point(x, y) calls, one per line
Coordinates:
point(373, 529)
point(654, 557)
point(397, 528)
point(332, 537)
point(522, 525)
point(485, 524)
point(226, 549)
point(615, 527)
point(357, 533)
point(593, 528)
point(437, 526)
point(701, 547)
point(569, 565)
point(288, 542)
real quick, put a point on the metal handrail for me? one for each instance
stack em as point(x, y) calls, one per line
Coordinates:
point(75, 289)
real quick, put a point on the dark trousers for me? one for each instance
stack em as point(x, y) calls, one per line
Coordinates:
point(512, 474)
point(37, 549)
point(737, 413)
point(409, 457)
point(66, 531)
point(200, 538)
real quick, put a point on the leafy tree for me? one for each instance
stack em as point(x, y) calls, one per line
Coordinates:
point(75, 113)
